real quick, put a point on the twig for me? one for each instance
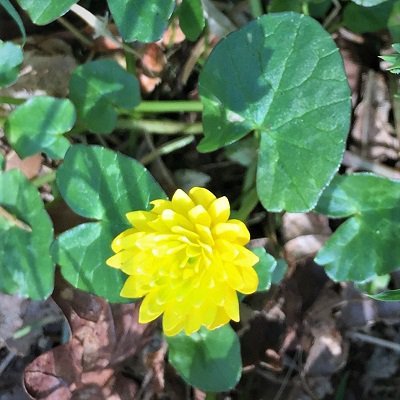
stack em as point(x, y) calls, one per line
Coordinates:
point(99, 27)
point(167, 148)
point(13, 220)
point(374, 340)
point(82, 38)
point(356, 162)
point(6, 361)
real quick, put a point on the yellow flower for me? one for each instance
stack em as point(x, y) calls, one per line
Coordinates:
point(188, 260)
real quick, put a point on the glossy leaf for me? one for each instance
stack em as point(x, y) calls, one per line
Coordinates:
point(99, 184)
point(369, 3)
point(97, 89)
point(361, 19)
point(279, 272)
point(264, 268)
point(140, 20)
point(81, 252)
point(43, 12)
point(191, 18)
point(208, 360)
point(26, 233)
point(1, 161)
point(38, 125)
point(366, 245)
point(292, 92)
point(387, 295)
point(11, 58)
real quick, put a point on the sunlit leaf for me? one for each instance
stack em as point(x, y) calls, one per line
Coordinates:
point(101, 185)
point(264, 268)
point(26, 234)
point(293, 93)
point(140, 20)
point(367, 243)
point(11, 58)
point(208, 360)
point(43, 12)
point(97, 89)
point(38, 126)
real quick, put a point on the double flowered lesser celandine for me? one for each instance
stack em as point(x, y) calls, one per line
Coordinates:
point(188, 260)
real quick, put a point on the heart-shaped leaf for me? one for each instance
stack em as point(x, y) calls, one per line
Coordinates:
point(97, 89)
point(264, 268)
point(292, 92)
point(38, 126)
point(367, 244)
point(43, 12)
point(208, 360)
point(99, 184)
point(140, 20)
point(26, 234)
point(11, 58)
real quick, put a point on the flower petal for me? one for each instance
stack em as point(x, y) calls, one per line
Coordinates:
point(219, 210)
point(134, 288)
point(232, 231)
point(201, 196)
point(181, 202)
point(150, 309)
point(231, 304)
point(140, 219)
point(221, 318)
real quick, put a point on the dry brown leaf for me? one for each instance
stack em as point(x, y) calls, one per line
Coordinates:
point(103, 339)
point(29, 166)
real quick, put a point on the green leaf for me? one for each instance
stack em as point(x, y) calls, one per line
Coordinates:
point(12, 12)
point(367, 19)
point(2, 161)
point(99, 184)
point(140, 20)
point(367, 244)
point(388, 295)
point(11, 58)
point(264, 268)
point(243, 151)
point(276, 6)
point(208, 360)
point(43, 12)
point(38, 126)
point(191, 18)
point(26, 234)
point(292, 92)
point(393, 23)
point(97, 89)
point(279, 272)
point(81, 253)
point(369, 3)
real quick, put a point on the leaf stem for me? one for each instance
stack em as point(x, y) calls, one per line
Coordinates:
point(167, 148)
point(161, 127)
point(256, 8)
point(43, 179)
point(11, 100)
point(249, 203)
point(167, 106)
point(304, 8)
